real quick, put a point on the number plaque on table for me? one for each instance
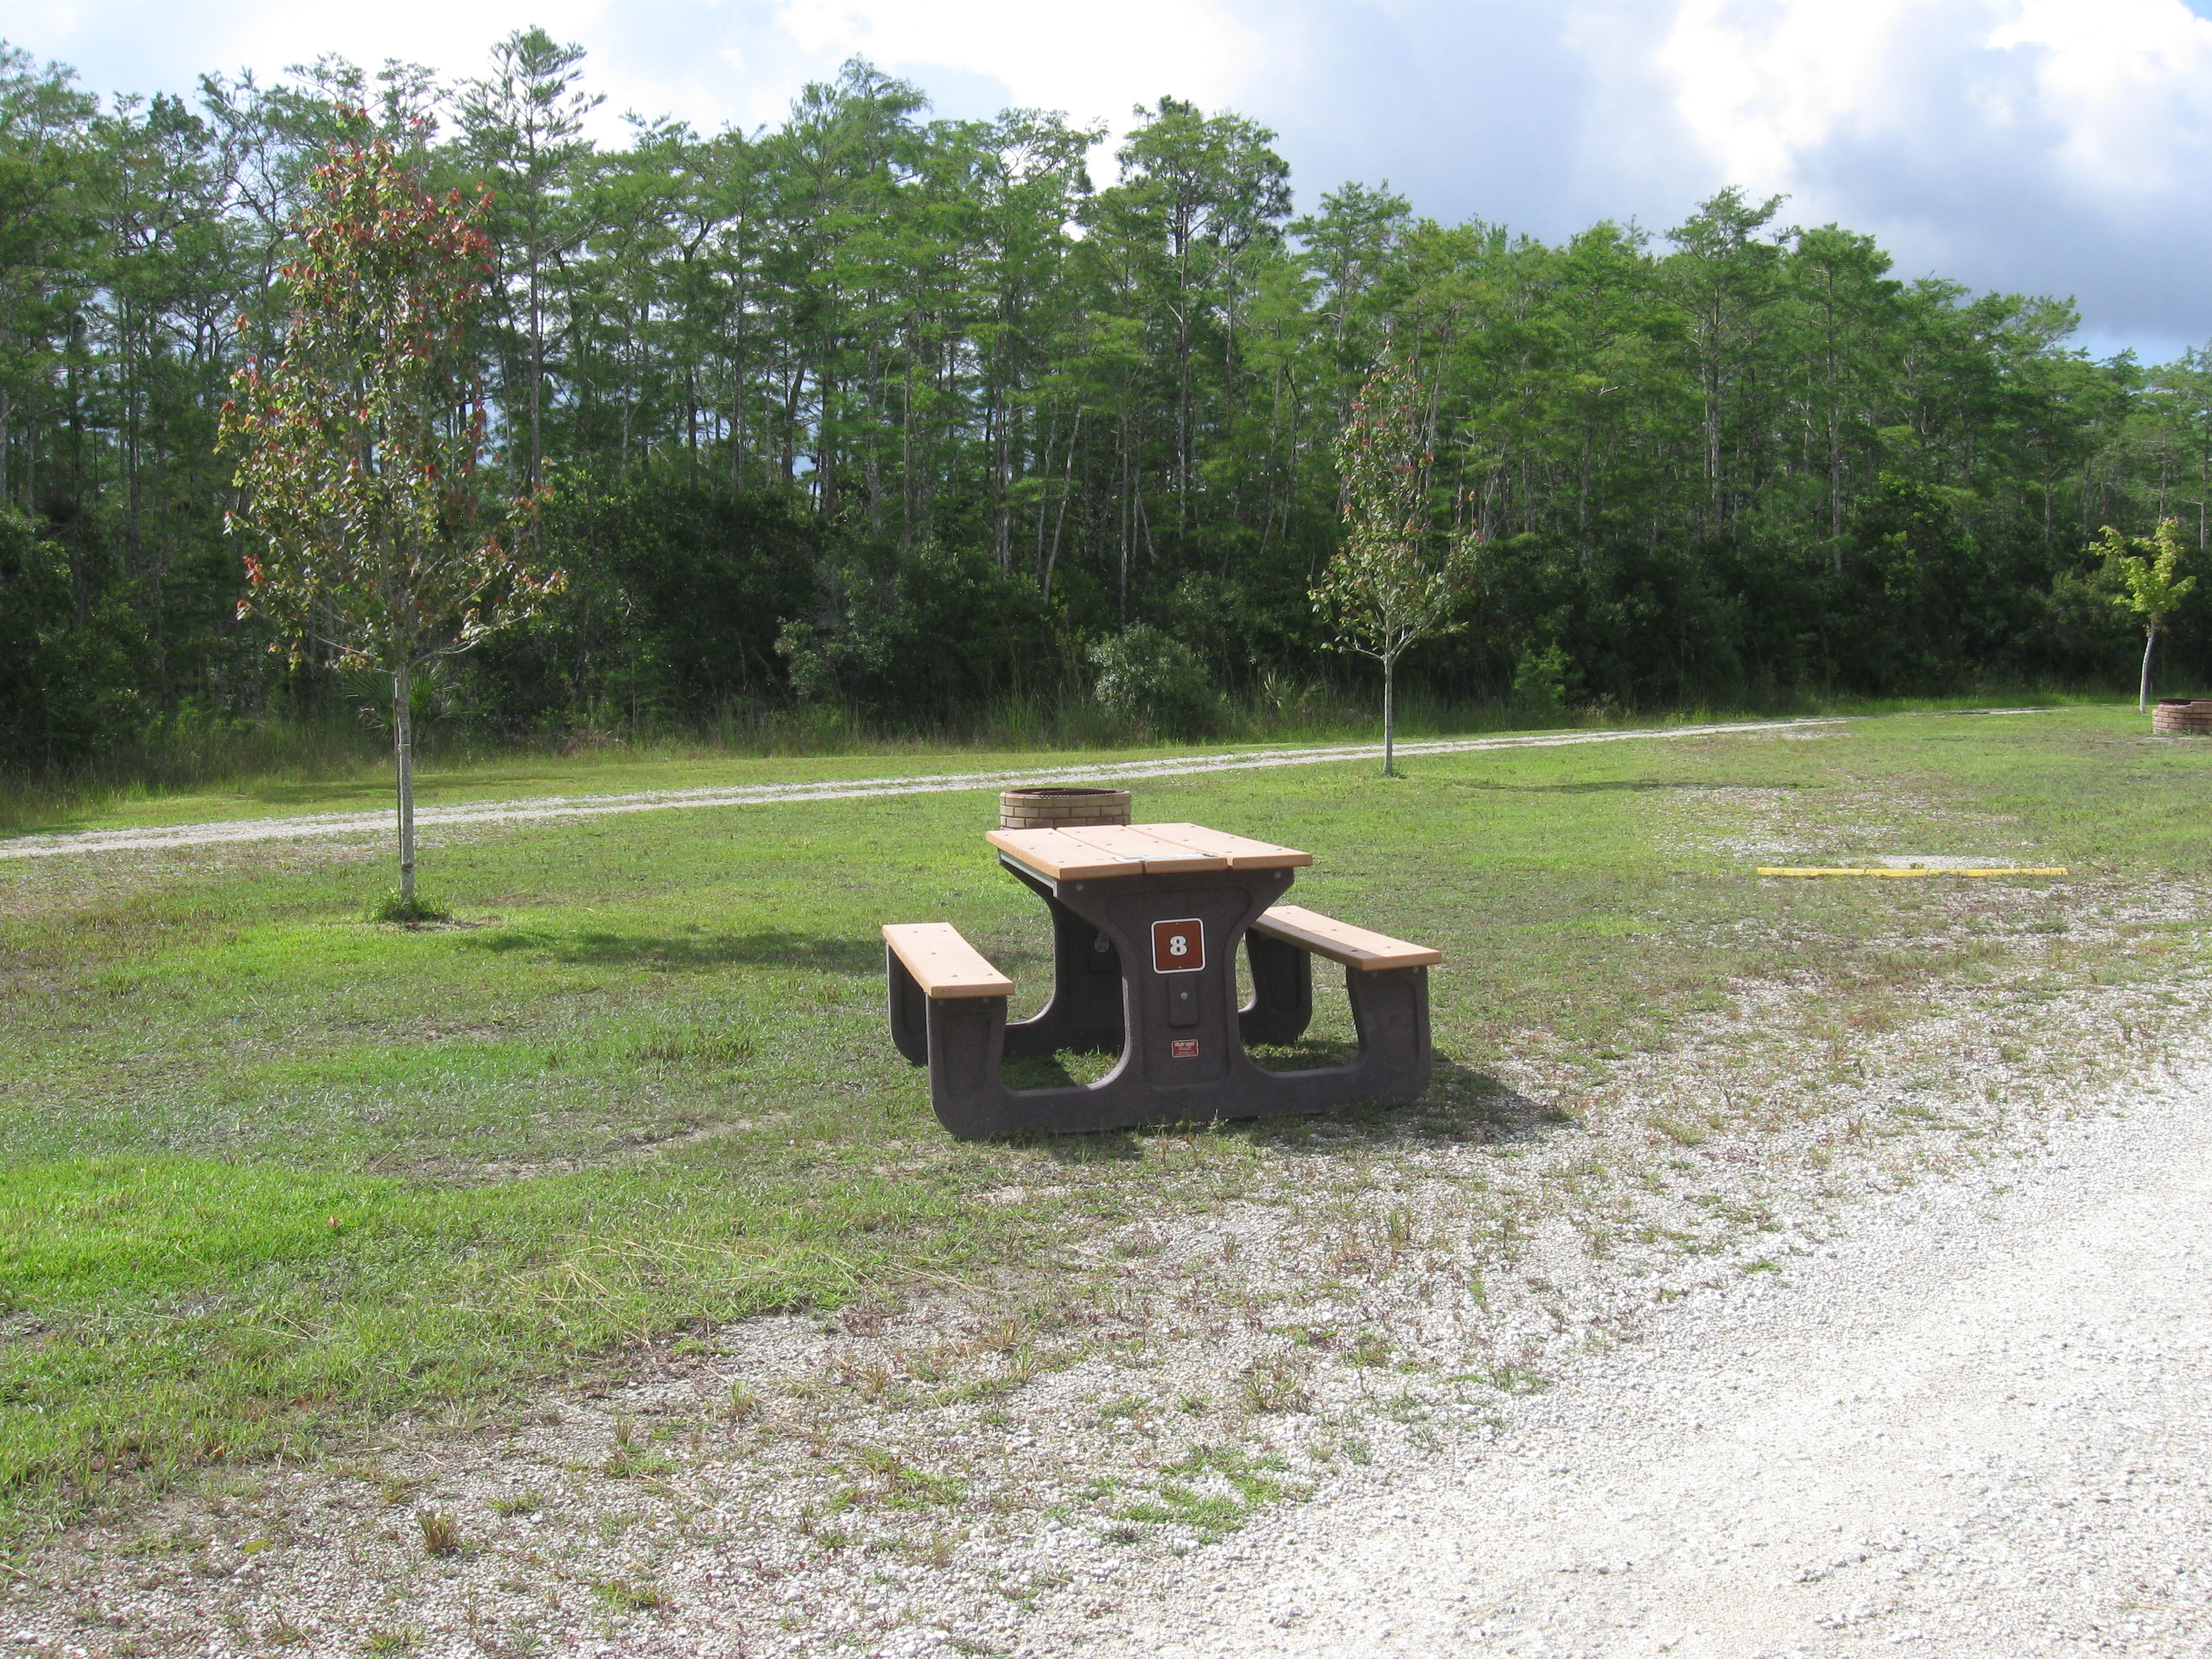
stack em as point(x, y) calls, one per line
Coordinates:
point(1179, 947)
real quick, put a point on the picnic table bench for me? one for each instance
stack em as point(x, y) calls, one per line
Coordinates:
point(1147, 923)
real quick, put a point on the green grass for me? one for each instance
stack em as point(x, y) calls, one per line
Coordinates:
point(273, 1174)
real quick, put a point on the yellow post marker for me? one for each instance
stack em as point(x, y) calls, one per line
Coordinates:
point(1773, 870)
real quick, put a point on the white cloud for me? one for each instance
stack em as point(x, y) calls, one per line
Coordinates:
point(2123, 79)
point(451, 35)
point(2054, 145)
point(1758, 84)
point(2100, 91)
point(1090, 61)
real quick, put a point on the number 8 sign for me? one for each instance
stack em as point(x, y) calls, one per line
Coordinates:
point(1178, 947)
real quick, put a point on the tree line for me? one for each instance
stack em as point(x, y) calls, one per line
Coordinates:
point(906, 413)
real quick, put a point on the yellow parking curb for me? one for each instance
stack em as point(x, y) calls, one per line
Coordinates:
point(1770, 870)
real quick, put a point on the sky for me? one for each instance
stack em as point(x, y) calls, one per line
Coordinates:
point(2053, 146)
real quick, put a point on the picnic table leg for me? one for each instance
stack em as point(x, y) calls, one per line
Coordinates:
point(1282, 992)
point(966, 1044)
point(1085, 1014)
point(1390, 1012)
point(908, 1010)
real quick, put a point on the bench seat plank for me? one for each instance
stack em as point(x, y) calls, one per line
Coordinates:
point(1339, 941)
point(1059, 856)
point(1242, 851)
point(942, 963)
point(1161, 856)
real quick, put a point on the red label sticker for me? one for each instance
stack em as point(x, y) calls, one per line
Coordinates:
point(1186, 1048)
point(1179, 947)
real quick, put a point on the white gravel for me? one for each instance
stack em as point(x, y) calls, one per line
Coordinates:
point(1977, 1424)
point(539, 808)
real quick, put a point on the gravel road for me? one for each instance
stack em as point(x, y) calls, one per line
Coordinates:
point(1976, 1426)
point(539, 808)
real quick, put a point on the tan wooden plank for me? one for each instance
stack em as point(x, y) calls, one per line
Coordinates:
point(1339, 941)
point(1242, 851)
point(1162, 857)
point(1059, 856)
point(942, 963)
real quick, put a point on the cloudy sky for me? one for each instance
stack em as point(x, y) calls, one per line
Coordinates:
point(2054, 145)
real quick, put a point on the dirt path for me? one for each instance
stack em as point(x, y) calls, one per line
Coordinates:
point(538, 808)
point(1977, 1427)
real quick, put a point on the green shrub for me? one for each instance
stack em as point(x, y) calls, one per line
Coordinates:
point(1539, 680)
point(1155, 683)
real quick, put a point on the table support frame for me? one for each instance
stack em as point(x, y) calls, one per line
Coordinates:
point(964, 1040)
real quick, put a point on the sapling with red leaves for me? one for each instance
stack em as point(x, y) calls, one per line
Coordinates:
point(383, 540)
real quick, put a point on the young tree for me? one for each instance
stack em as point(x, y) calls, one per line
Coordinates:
point(2149, 571)
point(359, 453)
point(1394, 580)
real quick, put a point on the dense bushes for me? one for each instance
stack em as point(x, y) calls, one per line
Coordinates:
point(686, 595)
point(678, 589)
point(912, 632)
point(67, 686)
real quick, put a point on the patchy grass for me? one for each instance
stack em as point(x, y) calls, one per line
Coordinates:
point(271, 1175)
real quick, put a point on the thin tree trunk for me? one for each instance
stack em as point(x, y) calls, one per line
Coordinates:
point(1059, 521)
point(2142, 694)
point(537, 355)
point(1389, 717)
point(403, 738)
point(999, 430)
point(1128, 526)
point(875, 466)
point(825, 450)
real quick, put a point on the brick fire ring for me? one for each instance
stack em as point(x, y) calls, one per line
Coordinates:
point(1070, 808)
point(2177, 717)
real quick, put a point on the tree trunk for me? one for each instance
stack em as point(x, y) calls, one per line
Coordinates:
point(536, 358)
point(1059, 521)
point(1389, 717)
point(2142, 695)
point(403, 741)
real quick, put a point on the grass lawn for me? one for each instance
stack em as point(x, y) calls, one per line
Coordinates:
point(270, 1175)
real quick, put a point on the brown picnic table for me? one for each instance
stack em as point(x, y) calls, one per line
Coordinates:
point(1147, 920)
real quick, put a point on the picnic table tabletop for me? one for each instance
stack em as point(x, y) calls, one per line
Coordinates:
point(1093, 851)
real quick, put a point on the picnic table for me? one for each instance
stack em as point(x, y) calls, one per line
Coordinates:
point(1147, 923)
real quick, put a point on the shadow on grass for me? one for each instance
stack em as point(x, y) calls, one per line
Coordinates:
point(1460, 1105)
point(693, 952)
point(331, 793)
point(376, 790)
